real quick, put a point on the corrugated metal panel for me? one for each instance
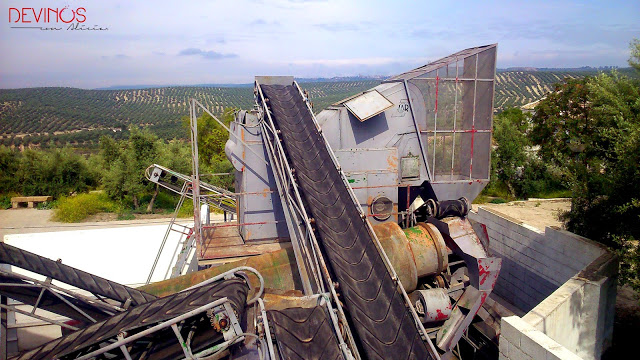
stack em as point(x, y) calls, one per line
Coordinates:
point(368, 105)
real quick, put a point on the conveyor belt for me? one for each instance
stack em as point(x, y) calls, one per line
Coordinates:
point(144, 316)
point(304, 334)
point(383, 325)
point(31, 295)
point(81, 279)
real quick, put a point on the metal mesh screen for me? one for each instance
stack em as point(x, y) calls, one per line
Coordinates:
point(456, 126)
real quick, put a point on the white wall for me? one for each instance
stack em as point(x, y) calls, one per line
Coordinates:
point(124, 254)
point(534, 263)
point(564, 282)
point(121, 254)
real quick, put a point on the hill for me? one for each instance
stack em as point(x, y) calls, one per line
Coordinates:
point(77, 116)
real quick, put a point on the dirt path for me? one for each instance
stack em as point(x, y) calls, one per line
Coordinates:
point(538, 213)
point(22, 221)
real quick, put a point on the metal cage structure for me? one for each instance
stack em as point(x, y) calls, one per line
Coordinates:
point(455, 126)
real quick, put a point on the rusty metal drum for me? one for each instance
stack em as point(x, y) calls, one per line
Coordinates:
point(414, 252)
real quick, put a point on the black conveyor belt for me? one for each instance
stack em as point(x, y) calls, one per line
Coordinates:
point(384, 327)
point(144, 316)
point(81, 279)
point(49, 302)
point(304, 334)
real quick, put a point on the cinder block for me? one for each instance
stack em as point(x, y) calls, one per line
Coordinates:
point(503, 346)
point(531, 347)
point(510, 331)
point(561, 353)
point(516, 354)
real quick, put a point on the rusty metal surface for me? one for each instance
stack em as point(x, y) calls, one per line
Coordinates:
point(284, 301)
point(225, 242)
point(277, 268)
point(429, 248)
point(414, 252)
point(141, 317)
point(483, 272)
point(384, 326)
point(395, 245)
point(80, 279)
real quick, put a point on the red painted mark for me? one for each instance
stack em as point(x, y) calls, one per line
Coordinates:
point(440, 315)
point(473, 133)
point(437, 81)
point(486, 234)
point(483, 298)
point(483, 273)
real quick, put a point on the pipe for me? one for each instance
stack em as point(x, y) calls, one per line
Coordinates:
point(232, 272)
point(448, 208)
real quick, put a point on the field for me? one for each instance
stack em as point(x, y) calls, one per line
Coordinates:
point(75, 116)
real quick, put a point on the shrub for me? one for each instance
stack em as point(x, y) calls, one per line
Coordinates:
point(77, 208)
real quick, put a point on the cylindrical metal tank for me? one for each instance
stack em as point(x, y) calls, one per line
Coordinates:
point(415, 252)
point(434, 303)
point(395, 245)
point(429, 249)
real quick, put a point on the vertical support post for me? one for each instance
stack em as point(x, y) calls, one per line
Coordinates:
point(195, 177)
point(3, 328)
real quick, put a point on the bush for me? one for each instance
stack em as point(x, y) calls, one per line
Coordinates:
point(78, 208)
point(5, 202)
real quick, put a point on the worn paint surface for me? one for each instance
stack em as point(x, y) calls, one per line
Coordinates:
point(277, 268)
point(426, 245)
point(395, 245)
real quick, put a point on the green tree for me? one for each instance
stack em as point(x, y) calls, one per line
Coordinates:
point(591, 129)
point(634, 59)
point(8, 169)
point(509, 133)
point(55, 172)
point(212, 138)
point(125, 163)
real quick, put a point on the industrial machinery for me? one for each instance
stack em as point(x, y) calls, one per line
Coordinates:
point(372, 193)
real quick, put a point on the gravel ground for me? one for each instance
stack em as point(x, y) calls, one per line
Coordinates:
point(22, 221)
point(538, 213)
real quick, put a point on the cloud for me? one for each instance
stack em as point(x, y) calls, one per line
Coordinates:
point(210, 55)
point(338, 27)
point(116, 56)
point(263, 22)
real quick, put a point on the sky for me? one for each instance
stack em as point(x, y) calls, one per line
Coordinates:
point(164, 42)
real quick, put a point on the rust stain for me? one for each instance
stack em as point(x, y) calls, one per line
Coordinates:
point(276, 267)
point(392, 160)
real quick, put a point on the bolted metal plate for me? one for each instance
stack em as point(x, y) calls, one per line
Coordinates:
point(410, 167)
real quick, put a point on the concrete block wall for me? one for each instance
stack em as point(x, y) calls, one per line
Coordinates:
point(521, 341)
point(534, 263)
point(579, 315)
point(565, 283)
